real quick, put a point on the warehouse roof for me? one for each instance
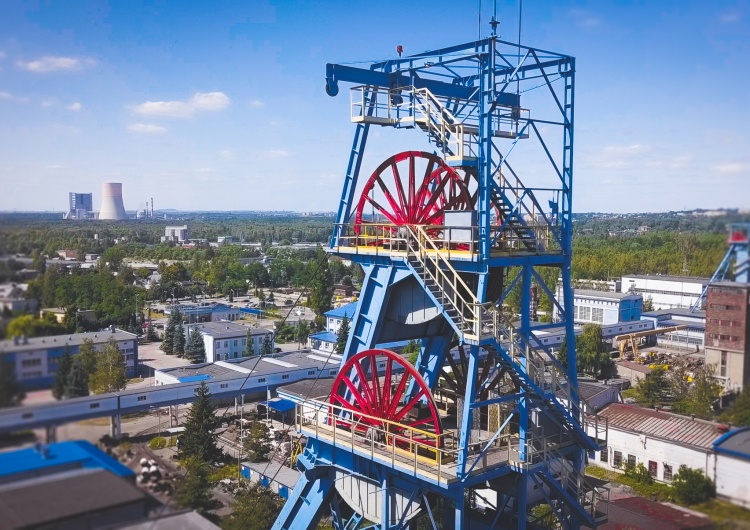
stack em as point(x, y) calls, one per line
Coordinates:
point(173, 521)
point(662, 425)
point(317, 389)
point(221, 330)
point(668, 278)
point(60, 341)
point(65, 495)
point(590, 293)
point(50, 458)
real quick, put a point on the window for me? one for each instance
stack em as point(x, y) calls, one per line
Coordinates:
point(31, 362)
point(653, 468)
point(332, 372)
point(618, 459)
point(597, 315)
point(667, 473)
point(261, 379)
point(235, 342)
point(142, 398)
point(94, 406)
point(311, 372)
point(226, 344)
point(285, 376)
point(224, 385)
point(604, 455)
point(723, 365)
point(631, 460)
point(27, 415)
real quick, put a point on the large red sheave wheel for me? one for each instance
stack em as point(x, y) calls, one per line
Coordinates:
point(413, 188)
point(371, 398)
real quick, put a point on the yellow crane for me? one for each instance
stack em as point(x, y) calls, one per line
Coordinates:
point(631, 339)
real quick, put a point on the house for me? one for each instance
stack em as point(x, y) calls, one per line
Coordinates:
point(325, 341)
point(228, 340)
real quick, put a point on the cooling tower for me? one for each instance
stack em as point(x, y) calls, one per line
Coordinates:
point(112, 206)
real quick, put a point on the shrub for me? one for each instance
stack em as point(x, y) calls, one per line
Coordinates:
point(158, 443)
point(638, 473)
point(691, 486)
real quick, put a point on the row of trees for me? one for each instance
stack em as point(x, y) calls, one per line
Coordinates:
point(176, 342)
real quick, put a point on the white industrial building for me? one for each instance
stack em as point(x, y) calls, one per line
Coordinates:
point(176, 234)
point(666, 292)
point(227, 340)
point(206, 312)
point(692, 338)
point(602, 307)
point(663, 441)
point(34, 360)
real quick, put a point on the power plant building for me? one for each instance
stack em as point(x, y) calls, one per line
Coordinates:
point(112, 205)
point(81, 206)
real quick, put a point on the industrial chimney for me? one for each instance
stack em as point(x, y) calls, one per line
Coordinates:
point(112, 206)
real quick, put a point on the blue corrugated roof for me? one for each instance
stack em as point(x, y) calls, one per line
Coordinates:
point(735, 443)
point(347, 310)
point(326, 336)
point(61, 454)
point(194, 378)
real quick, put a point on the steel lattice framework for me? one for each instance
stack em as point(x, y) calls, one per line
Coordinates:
point(485, 415)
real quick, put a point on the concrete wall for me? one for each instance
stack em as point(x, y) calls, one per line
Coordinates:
point(665, 293)
point(731, 478)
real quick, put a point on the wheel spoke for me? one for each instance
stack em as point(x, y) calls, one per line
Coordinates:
point(399, 187)
point(397, 395)
point(409, 405)
point(397, 211)
point(382, 210)
point(364, 383)
point(364, 406)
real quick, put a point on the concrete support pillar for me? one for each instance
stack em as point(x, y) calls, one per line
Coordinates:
point(50, 432)
point(115, 426)
point(174, 416)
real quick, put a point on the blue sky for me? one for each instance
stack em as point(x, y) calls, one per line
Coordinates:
point(221, 105)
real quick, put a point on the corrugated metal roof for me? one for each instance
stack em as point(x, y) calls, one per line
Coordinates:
point(662, 425)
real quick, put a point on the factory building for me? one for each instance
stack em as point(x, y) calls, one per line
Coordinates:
point(602, 307)
point(205, 312)
point(692, 338)
point(227, 340)
point(176, 234)
point(112, 206)
point(34, 360)
point(727, 327)
point(665, 292)
point(663, 441)
point(81, 206)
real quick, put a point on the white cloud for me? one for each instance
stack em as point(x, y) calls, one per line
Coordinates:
point(256, 104)
point(54, 64)
point(3, 55)
point(226, 154)
point(146, 128)
point(278, 153)
point(585, 19)
point(54, 166)
point(46, 103)
point(208, 101)
point(75, 106)
point(205, 170)
point(732, 167)
point(729, 17)
point(7, 96)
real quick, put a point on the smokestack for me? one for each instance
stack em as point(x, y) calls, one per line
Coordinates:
point(152, 206)
point(112, 206)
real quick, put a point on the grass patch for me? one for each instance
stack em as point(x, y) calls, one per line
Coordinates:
point(231, 471)
point(160, 442)
point(135, 380)
point(725, 514)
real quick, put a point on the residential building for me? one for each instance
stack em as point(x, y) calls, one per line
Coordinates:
point(325, 341)
point(692, 338)
point(34, 360)
point(227, 340)
point(13, 298)
point(663, 441)
point(176, 234)
point(727, 328)
point(601, 307)
point(665, 292)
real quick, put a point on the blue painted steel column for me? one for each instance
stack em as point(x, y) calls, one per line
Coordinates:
point(487, 90)
point(430, 359)
point(350, 181)
point(466, 423)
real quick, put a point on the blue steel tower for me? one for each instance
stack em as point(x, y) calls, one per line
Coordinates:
point(484, 424)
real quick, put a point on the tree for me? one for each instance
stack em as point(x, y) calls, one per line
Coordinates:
point(249, 352)
point(654, 389)
point(342, 336)
point(321, 287)
point(110, 370)
point(11, 393)
point(648, 304)
point(258, 442)
point(62, 375)
point(266, 347)
point(255, 509)
point(301, 332)
point(195, 490)
point(562, 353)
point(78, 384)
point(739, 412)
point(199, 440)
point(167, 344)
point(702, 394)
point(195, 350)
point(691, 486)
point(88, 355)
point(179, 340)
point(411, 351)
point(592, 356)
